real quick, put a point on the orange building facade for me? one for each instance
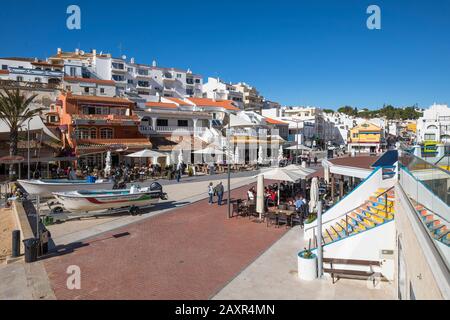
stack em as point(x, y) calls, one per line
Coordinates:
point(92, 125)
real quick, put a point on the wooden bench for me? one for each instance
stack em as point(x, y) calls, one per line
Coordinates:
point(352, 274)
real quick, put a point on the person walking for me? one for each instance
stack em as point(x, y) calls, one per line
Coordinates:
point(179, 170)
point(219, 191)
point(211, 193)
point(315, 160)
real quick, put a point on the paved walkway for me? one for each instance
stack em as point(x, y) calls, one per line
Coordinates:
point(20, 281)
point(179, 195)
point(187, 253)
point(274, 276)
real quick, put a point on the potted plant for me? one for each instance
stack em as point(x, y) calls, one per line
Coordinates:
point(307, 265)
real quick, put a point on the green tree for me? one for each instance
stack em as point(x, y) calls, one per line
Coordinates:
point(14, 111)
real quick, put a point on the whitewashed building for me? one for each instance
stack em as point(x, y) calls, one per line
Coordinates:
point(218, 90)
point(434, 125)
point(253, 101)
point(148, 81)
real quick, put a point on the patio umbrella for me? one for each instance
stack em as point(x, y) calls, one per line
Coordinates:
point(281, 174)
point(146, 153)
point(260, 196)
point(314, 194)
point(280, 154)
point(236, 155)
point(260, 155)
point(180, 156)
point(108, 164)
point(210, 150)
point(304, 172)
point(300, 147)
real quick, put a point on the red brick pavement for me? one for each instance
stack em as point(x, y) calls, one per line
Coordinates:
point(187, 253)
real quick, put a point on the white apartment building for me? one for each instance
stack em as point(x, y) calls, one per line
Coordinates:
point(26, 71)
point(434, 125)
point(218, 90)
point(88, 86)
point(253, 101)
point(148, 81)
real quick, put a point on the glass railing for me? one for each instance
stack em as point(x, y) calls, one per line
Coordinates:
point(428, 189)
point(434, 178)
point(444, 162)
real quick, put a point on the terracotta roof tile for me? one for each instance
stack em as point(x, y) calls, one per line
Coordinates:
point(71, 97)
point(274, 121)
point(161, 105)
point(88, 80)
point(205, 102)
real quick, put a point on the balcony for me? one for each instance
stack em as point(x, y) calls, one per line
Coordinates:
point(36, 72)
point(24, 85)
point(118, 67)
point(168, 77)
point(141, 86)
point(147, 129)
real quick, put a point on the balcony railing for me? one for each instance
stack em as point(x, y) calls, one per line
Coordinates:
point(145, 129)
point(11, 84)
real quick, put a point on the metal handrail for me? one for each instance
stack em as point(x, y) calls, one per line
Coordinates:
point(350, 211)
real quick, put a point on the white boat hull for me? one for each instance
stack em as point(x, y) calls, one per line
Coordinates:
point(46, 189)
point(76, 202)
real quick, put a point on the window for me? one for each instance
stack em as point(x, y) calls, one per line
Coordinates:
point(82, 133)
point(73, 71)
point(118, 66)
point(190, 92)
point(144, 84)
point(38, 80)
point(4, 67)
point(118, 77)
point(430, 136)
point(106, 133)
point(93, 133)
point(355, 135)
point(19, 78)
point(130, 81)
point(130, 70)
point(183, 123)
point(143, 72)
point(197, 80)
point(86, 90)
point(162, 122)
point(178, 75)
point(102, 90)
point(189, 81)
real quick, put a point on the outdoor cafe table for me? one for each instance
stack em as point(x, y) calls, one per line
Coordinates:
point(288, 214)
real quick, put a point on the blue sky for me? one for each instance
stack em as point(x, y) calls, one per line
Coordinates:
point(295, 52)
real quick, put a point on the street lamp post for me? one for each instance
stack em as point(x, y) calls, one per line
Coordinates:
point(296, 140)
point(28, 147)
point(229, 171)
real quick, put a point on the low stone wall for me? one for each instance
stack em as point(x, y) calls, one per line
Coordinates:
point(22, 222)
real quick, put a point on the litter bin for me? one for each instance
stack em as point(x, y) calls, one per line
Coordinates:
point(15, 243)
point(31, 249)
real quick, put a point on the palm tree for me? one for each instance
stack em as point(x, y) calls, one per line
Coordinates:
point(14, 111)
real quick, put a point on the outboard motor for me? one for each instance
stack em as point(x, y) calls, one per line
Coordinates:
point(155, 186)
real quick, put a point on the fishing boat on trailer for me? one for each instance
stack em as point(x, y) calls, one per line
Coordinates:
point(46, 187)
point(134, 198)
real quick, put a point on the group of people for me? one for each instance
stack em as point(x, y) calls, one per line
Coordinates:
point(218, 191)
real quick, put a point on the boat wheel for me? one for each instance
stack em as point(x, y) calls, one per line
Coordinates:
point(134, 211)
point(57, 210)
